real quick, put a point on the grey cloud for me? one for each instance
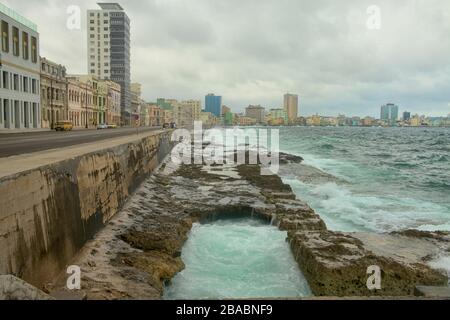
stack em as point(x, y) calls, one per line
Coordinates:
point(253, 51)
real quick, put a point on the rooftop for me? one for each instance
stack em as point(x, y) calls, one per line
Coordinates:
point(110, 6)
point(19, 18)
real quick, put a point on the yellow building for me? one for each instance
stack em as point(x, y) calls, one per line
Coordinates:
point(247, 121)
point(291, 106)
point(80, 102)
point(313, 120)
point(415, 121)
point(277, 117)
point(113, 100)
point(208, 119)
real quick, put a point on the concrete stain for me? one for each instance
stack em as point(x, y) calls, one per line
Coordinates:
point(59, 207)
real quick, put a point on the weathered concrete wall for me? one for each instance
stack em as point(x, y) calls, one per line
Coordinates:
point(48, 214)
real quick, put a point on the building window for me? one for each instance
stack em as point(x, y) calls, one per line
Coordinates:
point(33, 86)
point(5, 109)
point(16, 82)
point(34, 57)
point(25, 46)
point(25, 84)
point(5, 36)
point(5, 80)
point(15, 34)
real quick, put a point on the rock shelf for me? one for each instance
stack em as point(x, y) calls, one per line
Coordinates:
point(139, 251)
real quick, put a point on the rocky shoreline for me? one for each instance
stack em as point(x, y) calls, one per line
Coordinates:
point(139, 251)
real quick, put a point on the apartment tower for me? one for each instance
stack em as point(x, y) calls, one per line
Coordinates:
point(291, 106)
point(109, 50)
point(213, 104)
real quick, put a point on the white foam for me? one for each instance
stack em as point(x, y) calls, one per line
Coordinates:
point(443, 262)
point(344, 210)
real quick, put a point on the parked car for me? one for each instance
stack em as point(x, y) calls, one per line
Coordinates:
point(102, 126)
point(112, 126)
point(63, 126)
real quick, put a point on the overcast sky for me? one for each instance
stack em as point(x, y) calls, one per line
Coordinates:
point(254, 51)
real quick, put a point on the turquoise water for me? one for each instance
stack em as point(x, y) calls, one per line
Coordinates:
point(237, 258)
point(390, 178)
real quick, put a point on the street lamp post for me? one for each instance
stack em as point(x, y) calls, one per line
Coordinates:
point(86, 102)
point(51, 103)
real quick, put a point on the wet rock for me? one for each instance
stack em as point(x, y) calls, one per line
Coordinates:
point(71, 295)
point(433, 292)
point(308, 174)
point(286, 158)
point(336, 264)
point(252, 174)
point(13, 288)
point(159, 266)
point(438, 235)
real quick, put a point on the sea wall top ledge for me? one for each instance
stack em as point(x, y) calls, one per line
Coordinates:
point(21, 163)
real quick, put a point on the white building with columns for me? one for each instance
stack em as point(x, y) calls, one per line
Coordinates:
point(19, 72)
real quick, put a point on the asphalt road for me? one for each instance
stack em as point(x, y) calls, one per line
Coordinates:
point(21, 143)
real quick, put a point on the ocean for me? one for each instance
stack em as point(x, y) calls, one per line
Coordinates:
point(356, 179)
point(237, 258)
point(379, 179)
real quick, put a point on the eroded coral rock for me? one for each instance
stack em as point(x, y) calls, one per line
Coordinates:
point(140, 249)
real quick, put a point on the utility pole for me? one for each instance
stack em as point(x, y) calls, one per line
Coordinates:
point(51, 102)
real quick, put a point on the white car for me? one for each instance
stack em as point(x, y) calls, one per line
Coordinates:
point(102, 126)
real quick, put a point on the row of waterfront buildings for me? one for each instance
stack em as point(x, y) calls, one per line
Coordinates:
point(258, 115)
point(214, 112)
point(36, 92)
point(389, 117)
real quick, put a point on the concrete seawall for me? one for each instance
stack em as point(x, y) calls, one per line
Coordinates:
point(47, 213)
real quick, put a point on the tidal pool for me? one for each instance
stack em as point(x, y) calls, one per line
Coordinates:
point(237, 258)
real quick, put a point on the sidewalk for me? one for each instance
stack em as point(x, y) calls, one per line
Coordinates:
point(11, 131)
point(15, 164)
point(14, 131)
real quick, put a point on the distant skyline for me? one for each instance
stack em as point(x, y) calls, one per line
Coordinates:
point(321, 50)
